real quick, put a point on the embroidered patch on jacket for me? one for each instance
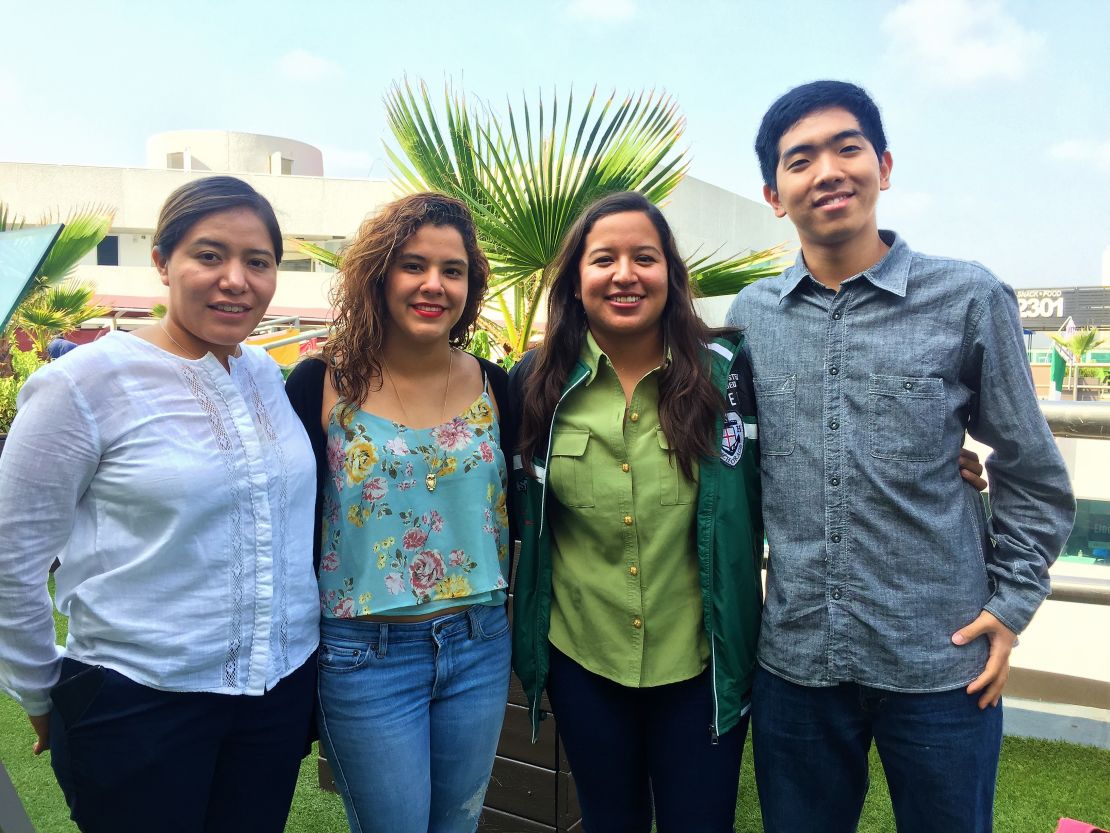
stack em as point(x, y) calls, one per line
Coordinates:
point(732, 439)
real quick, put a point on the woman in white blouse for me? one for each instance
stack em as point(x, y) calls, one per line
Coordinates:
point(167, 471)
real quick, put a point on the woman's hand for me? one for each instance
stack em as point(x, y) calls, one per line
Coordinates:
point(41, 724)
point(971, 469)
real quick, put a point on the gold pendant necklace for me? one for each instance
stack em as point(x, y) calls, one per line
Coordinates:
point(430, 478)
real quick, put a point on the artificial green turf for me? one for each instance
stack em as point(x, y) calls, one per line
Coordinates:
point(1038, 782)
point(32, 776)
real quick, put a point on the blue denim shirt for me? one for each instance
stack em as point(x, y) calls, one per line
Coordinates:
point(879, 551)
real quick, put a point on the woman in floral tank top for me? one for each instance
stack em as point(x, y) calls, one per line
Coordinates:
point(413, 563)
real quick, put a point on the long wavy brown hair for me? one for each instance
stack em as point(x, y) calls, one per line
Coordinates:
point(353, 351)
point(688, 403)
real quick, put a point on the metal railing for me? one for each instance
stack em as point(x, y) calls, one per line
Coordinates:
point(1083, 420)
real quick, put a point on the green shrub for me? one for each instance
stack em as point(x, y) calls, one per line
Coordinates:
point(24, 363)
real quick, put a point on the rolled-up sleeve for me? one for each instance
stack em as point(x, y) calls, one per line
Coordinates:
point(50, 457)
point(1032, 506)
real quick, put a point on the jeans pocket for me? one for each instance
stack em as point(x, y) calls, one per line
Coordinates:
point(339, 656)
point(491, 621)
point(776, 413)
point(73, 694)
point(906, 417)
point(568, 471)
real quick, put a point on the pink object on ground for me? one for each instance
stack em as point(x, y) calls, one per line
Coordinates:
point(1073, 826)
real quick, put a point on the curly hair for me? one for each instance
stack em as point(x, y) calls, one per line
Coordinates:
point(688, 402)
point(353, 351)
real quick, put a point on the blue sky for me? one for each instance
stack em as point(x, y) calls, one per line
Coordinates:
point(997, 111)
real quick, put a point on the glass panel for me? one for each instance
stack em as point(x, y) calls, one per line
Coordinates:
point(21, 255)
point(1090, 539)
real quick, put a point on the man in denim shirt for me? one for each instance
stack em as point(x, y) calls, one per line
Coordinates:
point(892, 601)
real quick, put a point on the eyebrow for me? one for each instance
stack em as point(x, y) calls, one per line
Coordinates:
point(647, 248)
point(454, 261)
point(809, 148)
point(223, 247)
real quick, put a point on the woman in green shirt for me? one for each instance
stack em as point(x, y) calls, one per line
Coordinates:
point(637, 596)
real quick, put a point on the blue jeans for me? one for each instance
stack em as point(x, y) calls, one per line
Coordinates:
point(409, 717)
point(939, 752)
point(131, 758)
point(635, 750)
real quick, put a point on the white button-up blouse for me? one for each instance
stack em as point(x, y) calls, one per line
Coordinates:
point(179, 499)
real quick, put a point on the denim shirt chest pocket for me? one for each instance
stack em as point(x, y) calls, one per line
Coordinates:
point(777, 413)
point(906, 417)
point(568, 471)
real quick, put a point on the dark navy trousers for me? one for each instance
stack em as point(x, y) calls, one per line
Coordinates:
point(132, 758)
point(635, 750)
point(939, 752)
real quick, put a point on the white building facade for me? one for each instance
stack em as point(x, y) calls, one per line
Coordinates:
point(309, 206)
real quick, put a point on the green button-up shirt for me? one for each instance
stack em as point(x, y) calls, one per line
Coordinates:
point(626, 603)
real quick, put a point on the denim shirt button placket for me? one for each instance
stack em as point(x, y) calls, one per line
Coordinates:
point(834, 451)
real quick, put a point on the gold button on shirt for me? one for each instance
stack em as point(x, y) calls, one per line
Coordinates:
point(623, 547)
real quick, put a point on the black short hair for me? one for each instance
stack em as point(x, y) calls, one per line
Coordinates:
point(800, 102)
point(195, 200)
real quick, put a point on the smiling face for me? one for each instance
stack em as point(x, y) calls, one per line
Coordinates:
point(426, 286)
point(623, 279)
point(828, 180)
point(221, 276)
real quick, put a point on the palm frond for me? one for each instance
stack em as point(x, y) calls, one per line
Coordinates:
point(84, 229)
point(319, 253)
point(1080, 342)
point(516, 174)
point(40, 317)
point(729, 275)
point(8, 220)
point(53, 310)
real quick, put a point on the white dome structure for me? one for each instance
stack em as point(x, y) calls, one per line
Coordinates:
point(221, 151)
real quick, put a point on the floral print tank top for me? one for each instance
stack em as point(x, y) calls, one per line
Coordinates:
point(414, 520)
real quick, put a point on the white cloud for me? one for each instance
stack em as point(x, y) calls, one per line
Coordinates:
point(602, 11)
point(1084, 151)
point(957, 42)
point(300, 65)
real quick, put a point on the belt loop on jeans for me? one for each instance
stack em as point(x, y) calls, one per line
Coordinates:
point(383, 639)
point(472, 620)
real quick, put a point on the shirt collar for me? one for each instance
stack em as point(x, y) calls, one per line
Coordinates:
point(891, 273)
point(592, 356)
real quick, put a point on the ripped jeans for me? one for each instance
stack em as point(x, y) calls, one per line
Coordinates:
point(409, 717)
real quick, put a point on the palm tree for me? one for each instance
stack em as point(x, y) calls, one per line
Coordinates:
point(84, 229)
point(54, 310)
point(1078, 344)
point(527, 179)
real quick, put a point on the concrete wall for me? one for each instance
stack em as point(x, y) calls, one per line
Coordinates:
point(311, 207)
point(705, 218)
point(139, 287)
